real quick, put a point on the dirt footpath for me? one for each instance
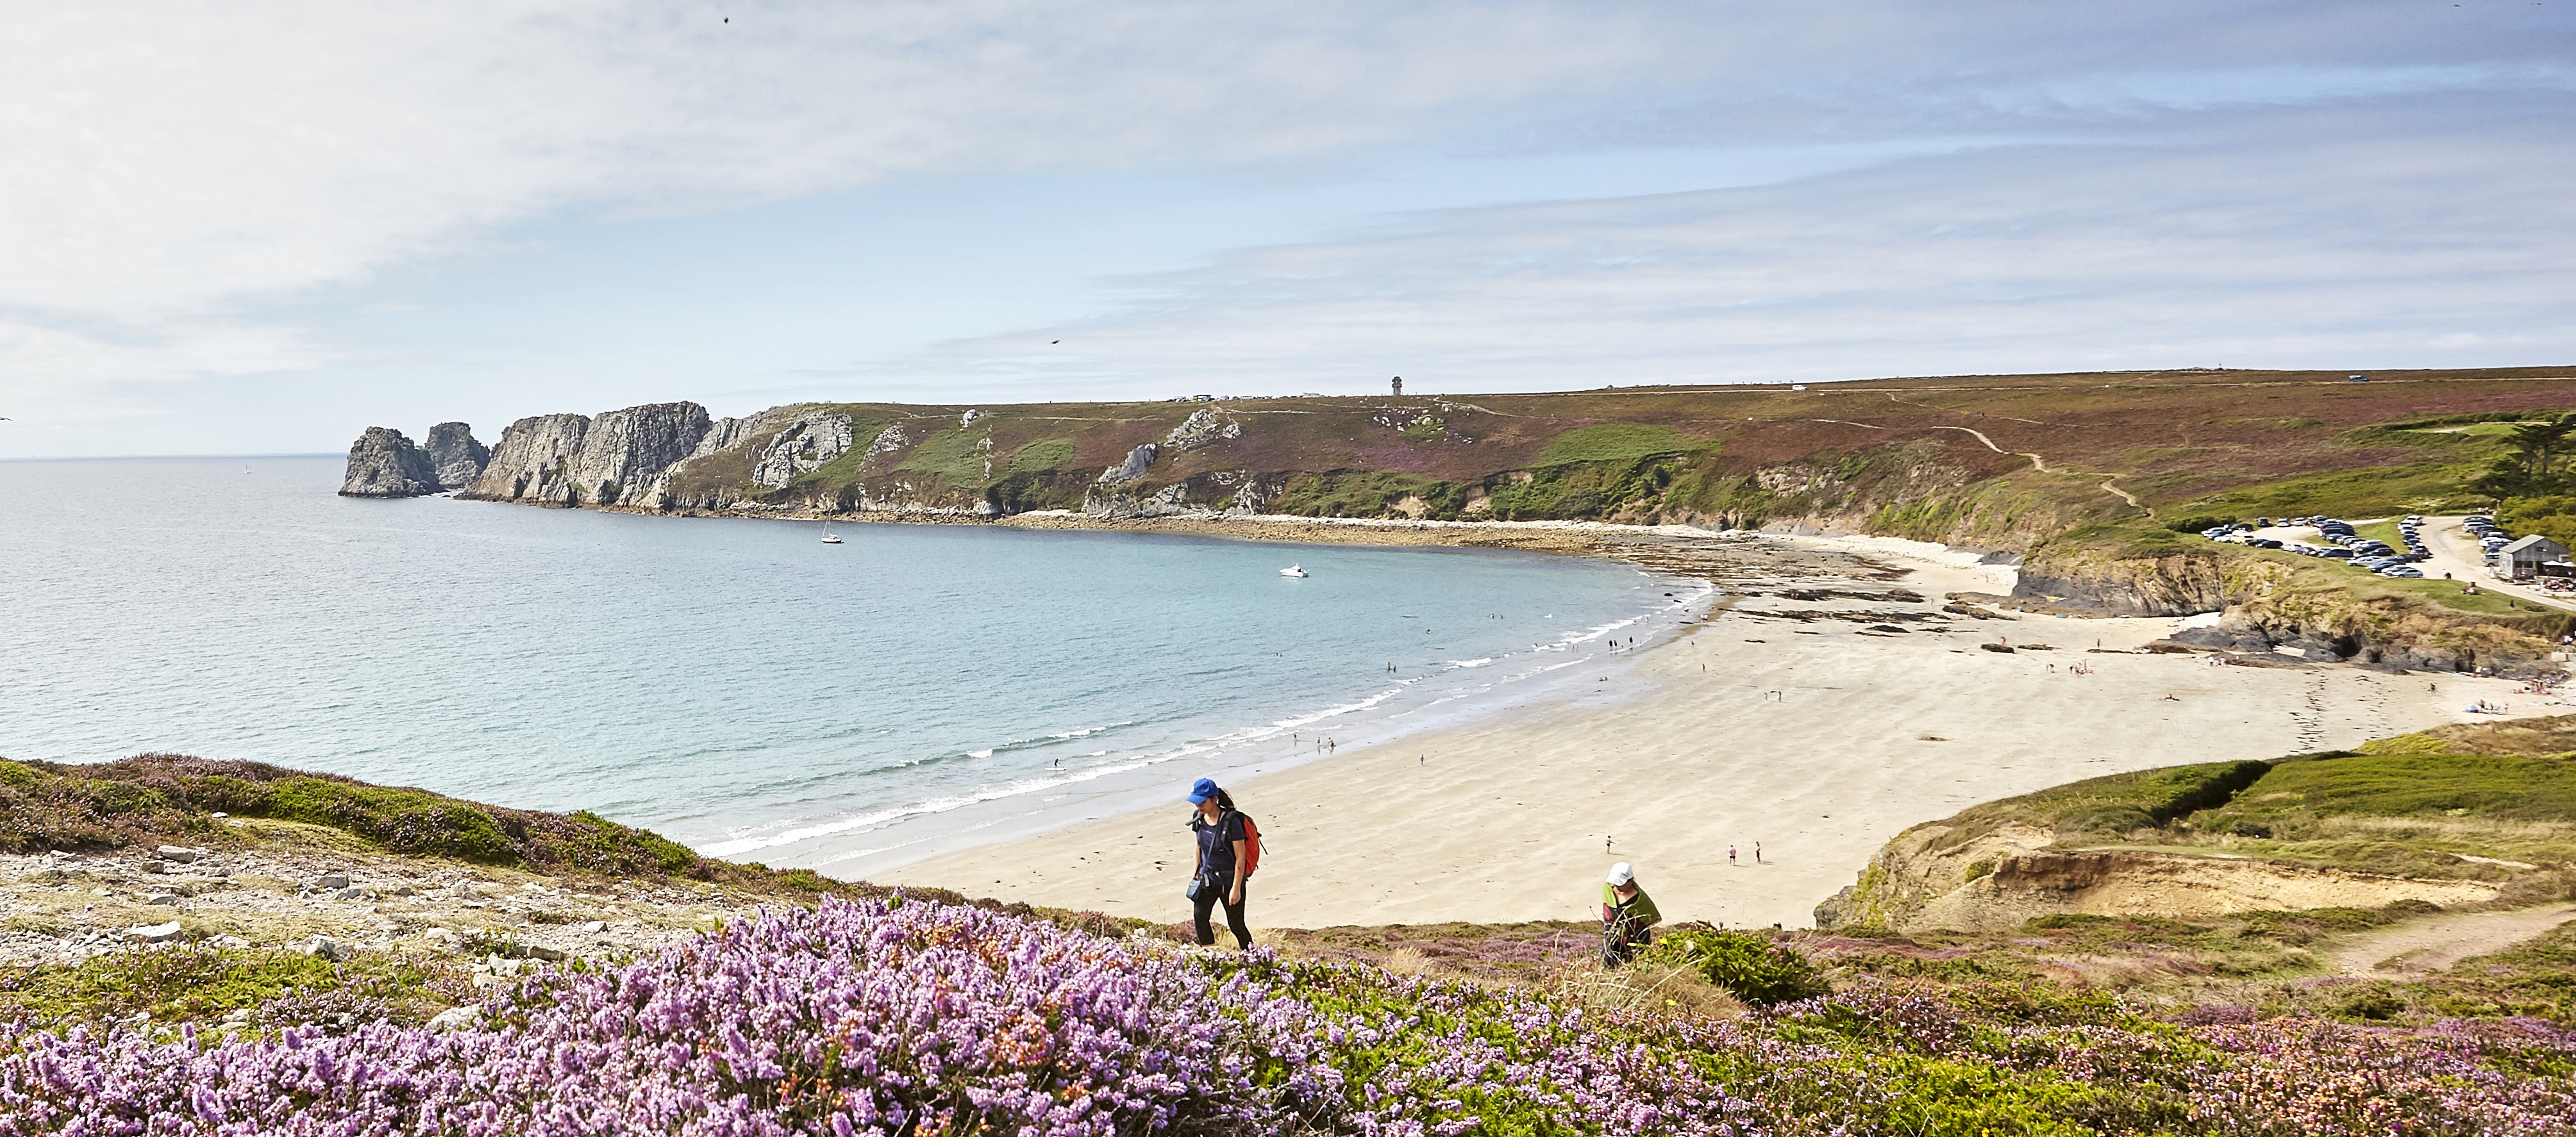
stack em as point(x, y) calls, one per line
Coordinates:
point(2417, 947)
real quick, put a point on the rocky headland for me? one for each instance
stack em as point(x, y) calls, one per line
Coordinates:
point(2090, 484)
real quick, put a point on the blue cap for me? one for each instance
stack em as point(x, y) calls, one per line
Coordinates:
point(1204, 790)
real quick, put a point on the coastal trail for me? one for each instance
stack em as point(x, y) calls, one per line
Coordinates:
point(2435, 943)
point(2041, 464)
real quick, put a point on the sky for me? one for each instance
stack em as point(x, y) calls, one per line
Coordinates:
point(254, 227)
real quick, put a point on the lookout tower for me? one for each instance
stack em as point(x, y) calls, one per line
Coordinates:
point(1399, 386)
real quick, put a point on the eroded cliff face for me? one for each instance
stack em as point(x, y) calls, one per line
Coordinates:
point(384, 463)
point(454, 454)
point(532, 462)
point(625, 452)
point(2158, 586)
point(1998, 881)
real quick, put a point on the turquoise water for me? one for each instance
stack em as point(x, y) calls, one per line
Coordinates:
point(735, 684)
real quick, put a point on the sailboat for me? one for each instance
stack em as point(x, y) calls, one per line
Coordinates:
point(828, 537)
point(1292, 570)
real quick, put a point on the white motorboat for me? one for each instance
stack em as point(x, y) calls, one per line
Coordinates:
point(1292, 570)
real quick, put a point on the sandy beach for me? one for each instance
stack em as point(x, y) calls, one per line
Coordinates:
point(1817, 715)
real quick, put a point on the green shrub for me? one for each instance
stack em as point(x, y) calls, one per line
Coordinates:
point(1617, 442)
point(1754, 968)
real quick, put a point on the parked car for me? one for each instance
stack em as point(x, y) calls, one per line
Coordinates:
point(2405, 571)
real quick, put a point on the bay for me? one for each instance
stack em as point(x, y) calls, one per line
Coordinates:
point(735, 684)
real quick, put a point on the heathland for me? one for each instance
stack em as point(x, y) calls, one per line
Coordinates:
point(809, 1006)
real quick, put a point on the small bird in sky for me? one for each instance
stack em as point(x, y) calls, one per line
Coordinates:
point(1055, 341)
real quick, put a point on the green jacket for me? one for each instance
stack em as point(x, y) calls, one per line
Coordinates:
point(1639, 912)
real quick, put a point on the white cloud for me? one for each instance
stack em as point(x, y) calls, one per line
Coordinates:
point(2291, 239)
point(178, 172)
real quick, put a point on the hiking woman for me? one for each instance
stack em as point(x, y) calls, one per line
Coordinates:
point(1222, 863)
point(1626, 913)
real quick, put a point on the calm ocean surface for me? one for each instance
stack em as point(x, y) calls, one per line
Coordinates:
point(735, 684)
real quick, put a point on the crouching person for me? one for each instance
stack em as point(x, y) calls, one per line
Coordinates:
point(1626, 913)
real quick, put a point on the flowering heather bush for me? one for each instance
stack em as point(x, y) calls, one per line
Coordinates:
point(912, 1018)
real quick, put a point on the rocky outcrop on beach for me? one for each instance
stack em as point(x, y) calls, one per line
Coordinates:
point(532, 462)
point(455, 455)
point(384, 463)
point(2141, 586)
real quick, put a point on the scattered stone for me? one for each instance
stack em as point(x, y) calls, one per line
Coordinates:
point(350, 894)
point(162, 899)
point(331, 882)
point(2004, 648)
point(233, 942)
point(326, 948)
point(156, 933)
point(595, 927)
point(176, 853)
point(455, 1018)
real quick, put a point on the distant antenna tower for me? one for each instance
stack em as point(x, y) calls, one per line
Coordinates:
point(1399, 386)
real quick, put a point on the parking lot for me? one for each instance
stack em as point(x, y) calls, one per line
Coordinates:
point(2435, 547)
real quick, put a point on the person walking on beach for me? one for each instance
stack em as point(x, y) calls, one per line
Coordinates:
point(1223, 863)
point(1757, 852)
point(1626, 913)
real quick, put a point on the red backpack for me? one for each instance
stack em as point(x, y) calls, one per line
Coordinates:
point(1251, 844)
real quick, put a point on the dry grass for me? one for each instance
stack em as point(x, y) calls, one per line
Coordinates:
point(1644, 988)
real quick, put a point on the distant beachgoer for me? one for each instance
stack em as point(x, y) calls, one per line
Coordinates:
point(1220, 875)
point(1332, 745)
point(2171, 699)
point(1757, 852)
point(1730, 854)
point(1626, 913)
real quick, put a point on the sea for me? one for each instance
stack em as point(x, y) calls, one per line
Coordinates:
point(738, 684)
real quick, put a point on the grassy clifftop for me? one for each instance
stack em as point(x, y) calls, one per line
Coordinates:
point(2004, 462)
point(2481, 814)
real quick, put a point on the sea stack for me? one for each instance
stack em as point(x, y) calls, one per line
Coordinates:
point(455, 456)
point(383, 463)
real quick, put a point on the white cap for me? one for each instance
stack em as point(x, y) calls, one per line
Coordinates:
point(1621, 874)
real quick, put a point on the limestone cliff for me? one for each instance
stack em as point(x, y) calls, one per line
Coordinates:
point(455, 455)
point(383, 463)
point(532, 462)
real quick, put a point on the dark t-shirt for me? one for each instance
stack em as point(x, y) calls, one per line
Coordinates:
point(1216, 845)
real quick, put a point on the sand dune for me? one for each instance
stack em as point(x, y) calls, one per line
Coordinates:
point(1821, 742)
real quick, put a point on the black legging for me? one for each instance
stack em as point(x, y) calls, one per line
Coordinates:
point(1207, 899)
